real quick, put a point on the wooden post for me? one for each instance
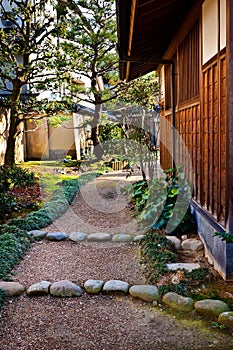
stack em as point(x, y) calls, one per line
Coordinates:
point(230, 113)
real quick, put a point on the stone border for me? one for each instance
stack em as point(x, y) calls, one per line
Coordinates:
point(208, 308)
point(100, 237)
point(79, 237)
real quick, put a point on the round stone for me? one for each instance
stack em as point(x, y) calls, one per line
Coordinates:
point(192, 244)
point(122, 238)
point(178, 302)
point(77, 236)
point(39, 288)
point(93, 286)
point(211, 308)
point(176, 241)
point(12, 288)
point(226, 319)
point(116, 286)
point(99, 237)
point(37, 233)
point(144, 292)
point(65, 288)
point(56, 236)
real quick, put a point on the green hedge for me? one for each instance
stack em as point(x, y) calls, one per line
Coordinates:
point(58, 204)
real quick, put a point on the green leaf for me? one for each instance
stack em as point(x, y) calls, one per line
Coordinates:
point(174, 191)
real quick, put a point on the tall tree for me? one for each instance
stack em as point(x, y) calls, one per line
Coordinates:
point(137, 108)
point(90, 39)
point(28, 62)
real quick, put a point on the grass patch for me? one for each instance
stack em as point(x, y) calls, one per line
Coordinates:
point(50, 183)
point(41, 163)
point(56, 206)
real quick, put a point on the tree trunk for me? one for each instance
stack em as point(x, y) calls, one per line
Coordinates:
point(9, 159)
point(98, 149)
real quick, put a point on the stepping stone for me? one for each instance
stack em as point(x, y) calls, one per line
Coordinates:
point(38, 233)
point(186, 266)
point(226, 319)
point(138, 238)
point(12, 289)
point(116, 286)
point(176, 241)
point(93, 286)
point(178, 302)
point(65, 288)
point(211, 308)
point(99, 237)
point(144, 292)
point(39, 288)
point(56, 236)
point(77, 236)
point(122, 238)
point(192, 244)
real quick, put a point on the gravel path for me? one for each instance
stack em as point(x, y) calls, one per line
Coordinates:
point(95, 322)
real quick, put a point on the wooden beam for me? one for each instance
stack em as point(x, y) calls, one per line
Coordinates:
point(131, 25)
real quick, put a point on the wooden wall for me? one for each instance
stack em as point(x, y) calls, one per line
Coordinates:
point(214, 133)
point(202, 124)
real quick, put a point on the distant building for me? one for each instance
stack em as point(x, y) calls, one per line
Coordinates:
point(42, 140)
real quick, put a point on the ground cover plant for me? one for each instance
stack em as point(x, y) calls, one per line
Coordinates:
point(14, 242)
point(156, 252)
point(163, 203)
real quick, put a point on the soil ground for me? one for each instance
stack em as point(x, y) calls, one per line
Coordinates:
point(99, 322)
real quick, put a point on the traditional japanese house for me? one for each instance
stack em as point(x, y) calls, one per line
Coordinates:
point(190, 44)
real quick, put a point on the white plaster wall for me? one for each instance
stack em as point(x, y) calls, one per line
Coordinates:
point(209, 29)
point(223, 25)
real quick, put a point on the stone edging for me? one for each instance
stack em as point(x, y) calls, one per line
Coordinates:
point(212, 309)
point(208, 308)
point(81, 236)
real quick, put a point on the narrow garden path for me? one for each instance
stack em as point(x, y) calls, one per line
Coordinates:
point(95, 322)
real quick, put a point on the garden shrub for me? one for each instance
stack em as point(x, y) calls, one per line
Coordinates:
point(15, 177)
point(164, 203)
point(11, 178)
point(8, 203)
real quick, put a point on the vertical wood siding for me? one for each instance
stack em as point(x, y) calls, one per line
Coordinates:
point(188, 125)
point(214, 185)
point(166, 141)
point(203, 128)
